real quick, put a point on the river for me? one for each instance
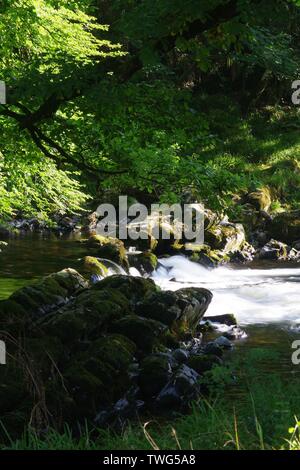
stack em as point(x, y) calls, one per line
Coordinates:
point(265, 298)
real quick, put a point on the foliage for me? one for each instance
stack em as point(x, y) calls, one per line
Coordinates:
point(175, 108)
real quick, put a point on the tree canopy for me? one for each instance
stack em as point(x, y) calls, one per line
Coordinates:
point(151, 96)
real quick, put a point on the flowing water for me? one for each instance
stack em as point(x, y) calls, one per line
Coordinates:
point(255, 296)
point(265, 298)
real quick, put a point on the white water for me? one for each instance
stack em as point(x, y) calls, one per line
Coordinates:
point(255, 296)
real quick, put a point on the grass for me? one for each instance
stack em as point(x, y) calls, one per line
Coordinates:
point(260, 150)
point(254, 411)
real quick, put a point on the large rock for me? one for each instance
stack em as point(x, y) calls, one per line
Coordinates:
point(109, 248)
point(179, 310)
point(76, 348)
point(156, 371)
point(278, 251)
point(226, 237)
point(88, 316)
point(133, 288)
point(92, 266)
point(41, 298)
point(145, 262)
point(144, 332)
point(183, 387)
point(99, 375)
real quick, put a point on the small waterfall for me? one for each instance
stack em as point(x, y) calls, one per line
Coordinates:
point(255, 296)
point(112, 268)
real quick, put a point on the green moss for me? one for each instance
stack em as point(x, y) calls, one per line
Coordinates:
point(23, 298)
point(88, 316)
point(154, 375)
point(92, 265)
point(12, 316)
point(145, 333)
point(51, 285)
point(109, 248)
point(99, 376)
point(133, 288)
point(145, 262)
point(70, 280)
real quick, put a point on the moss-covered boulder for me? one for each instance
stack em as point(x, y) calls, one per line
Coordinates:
point(205, 256)
point(93, 266)
point(144, 332)
point(155, 373)
point(88, 316)
point(76, 348)
point(109, 248)
point(35, 301)
point(181, 310)
point(145, 262)
point(99, 376)
point(225, 237)
point(13, 317)
point(133, 288)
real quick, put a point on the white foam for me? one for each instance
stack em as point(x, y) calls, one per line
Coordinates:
point(253, 295)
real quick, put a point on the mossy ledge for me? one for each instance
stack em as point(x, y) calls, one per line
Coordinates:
point(76, 349)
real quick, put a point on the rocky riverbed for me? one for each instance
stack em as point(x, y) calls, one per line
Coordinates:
point(87, 343)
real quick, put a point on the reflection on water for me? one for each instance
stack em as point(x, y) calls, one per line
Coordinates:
point(29, 258)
